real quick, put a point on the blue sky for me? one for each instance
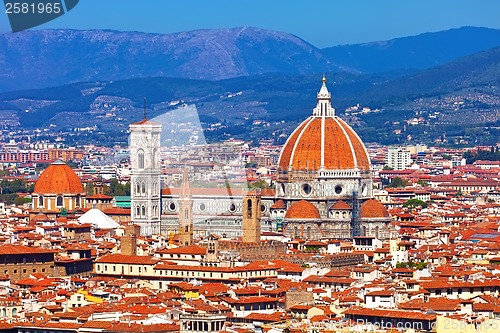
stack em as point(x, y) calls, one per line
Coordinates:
point(322, 23)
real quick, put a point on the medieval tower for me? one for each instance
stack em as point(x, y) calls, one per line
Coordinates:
point(145, 176)
point(185, 212)
point(251, 218)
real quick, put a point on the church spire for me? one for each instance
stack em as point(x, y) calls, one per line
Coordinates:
point(324, 108)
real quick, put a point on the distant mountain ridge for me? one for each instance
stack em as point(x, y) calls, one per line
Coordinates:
point(47, 58)
point(273, 97)
point(42, 58)
point(414, 52)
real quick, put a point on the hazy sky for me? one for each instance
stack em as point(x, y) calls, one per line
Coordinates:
point(322, 23)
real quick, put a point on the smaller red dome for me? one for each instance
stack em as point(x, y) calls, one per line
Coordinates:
point(302, 210)
point(340, 205)
point(280, 204)
point(372, 208)
point(58, 178)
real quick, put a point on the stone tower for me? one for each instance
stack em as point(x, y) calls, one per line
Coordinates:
point(145, 176)
point(251, 217)
point(185, 212)
point(129, 240)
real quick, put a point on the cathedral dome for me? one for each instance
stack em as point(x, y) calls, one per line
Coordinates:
point(58, 178)
point(340, 205)
point(302, 210)
point(373, 209)
point(324, 142)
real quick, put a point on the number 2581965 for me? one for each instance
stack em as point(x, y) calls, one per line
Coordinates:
point(32, 8)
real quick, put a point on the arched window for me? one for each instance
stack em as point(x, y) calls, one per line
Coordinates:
point(14, 312)
point(143, 211)
point(138, 211)
point(187, 228)
point(59, 201)
point(143, 188)
point(40, 201)
point(186, 213)
point(77, 201)
point(137, 188)
point(249, 207)
point(140, 159)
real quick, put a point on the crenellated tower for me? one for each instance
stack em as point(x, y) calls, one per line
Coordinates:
point(251, 217)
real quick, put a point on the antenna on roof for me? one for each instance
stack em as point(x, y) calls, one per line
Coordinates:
point(145, 108)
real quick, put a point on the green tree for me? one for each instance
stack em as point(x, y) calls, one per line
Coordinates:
point(397, 182)
point(402, 265)
point(258, 184)
point(413, 203)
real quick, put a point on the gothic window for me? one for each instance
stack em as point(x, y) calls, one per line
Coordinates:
point(186, 213)
point(140, 159)
point(143, 188)
point(59, 201)
point(40, 201)
point(138, 211)
point(143, 211)
point(187, 228)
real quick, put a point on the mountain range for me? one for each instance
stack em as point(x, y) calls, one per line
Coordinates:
point(236, 77)
point(46, 58)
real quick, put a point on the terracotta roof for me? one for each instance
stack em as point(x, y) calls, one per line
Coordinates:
point(58, 178)
point(192, 249)
point(372, 208)
point(145, 122)
point(302, 210)
point(386, 313)
point(340, 205)
point(116, 211)
point(7, 249)
point(342, 148)
point(280, 204)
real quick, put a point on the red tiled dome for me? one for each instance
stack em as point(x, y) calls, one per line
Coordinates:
point(324, 141)
point(302, 210)
point(342, 148)
point(373, 209)
point(340, 205)
point(58, 178)
point(280, 204)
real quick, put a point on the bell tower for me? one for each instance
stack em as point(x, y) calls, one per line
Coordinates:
point(251, 217)
point(145, 175)
point(185, 212)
